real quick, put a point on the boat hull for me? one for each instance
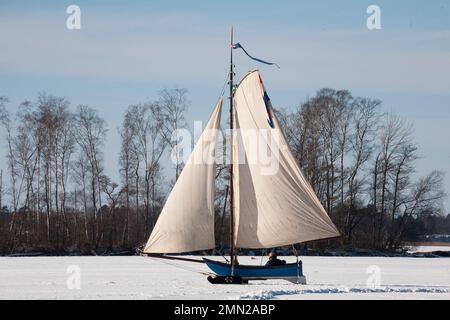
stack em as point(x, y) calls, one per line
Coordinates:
point(292, 272)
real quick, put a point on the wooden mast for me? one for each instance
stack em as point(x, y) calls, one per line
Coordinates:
point(232, 258)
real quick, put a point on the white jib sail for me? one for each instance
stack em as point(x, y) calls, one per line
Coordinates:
point(186, 222)
point(274, 204)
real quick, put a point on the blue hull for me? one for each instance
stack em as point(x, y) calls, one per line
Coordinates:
point(291, 272)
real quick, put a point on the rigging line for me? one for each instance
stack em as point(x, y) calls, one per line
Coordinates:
point(223, 256)
point(225, 84)
point(263, 254)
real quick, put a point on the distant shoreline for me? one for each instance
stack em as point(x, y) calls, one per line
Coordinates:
point(356, 253)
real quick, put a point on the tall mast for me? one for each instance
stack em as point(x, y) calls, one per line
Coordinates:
point(231, 158)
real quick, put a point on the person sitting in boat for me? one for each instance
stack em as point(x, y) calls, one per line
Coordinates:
point(274, 261)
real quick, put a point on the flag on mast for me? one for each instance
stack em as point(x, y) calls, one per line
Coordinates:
point(239, 46)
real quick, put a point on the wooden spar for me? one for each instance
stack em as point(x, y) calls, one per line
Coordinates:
point(231, 158)
point(161, 256)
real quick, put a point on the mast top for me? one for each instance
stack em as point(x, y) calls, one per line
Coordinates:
point(231, 43)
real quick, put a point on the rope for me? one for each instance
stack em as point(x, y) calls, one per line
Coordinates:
point(263, 253)
point(224, 85)
point(225, 259)
point(296, 255)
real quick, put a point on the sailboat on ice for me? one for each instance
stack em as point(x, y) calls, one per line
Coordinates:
point(268, 210)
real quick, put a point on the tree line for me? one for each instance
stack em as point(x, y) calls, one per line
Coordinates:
point(361, 163)
point(61, 199)
point(55, 195)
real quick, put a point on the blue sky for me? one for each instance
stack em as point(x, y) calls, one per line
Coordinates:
point(126, 52)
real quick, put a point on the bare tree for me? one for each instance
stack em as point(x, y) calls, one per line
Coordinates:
point(364, 119)
point(145, 134)
point(14, 175)
point(304, 137)
point(65, 149)
point(424, 197)
point(394, 135)
point(113, 195)
point(125, 159)
point(91, 133)
point(173, 105)
point(3, 115)
point(80, 176)
point(152, 147)
point(131, 157)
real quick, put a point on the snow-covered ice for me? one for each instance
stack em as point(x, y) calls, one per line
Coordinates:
point(149, 278)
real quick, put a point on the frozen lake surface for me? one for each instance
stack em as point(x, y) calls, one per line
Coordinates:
point(137, 277)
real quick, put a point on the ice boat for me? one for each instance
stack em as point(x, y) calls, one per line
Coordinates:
point(271, 203)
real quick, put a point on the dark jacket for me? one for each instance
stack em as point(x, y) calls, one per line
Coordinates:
point(275, 262)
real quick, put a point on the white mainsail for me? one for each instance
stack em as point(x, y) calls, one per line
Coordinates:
point(186, 222)
point(273, 207)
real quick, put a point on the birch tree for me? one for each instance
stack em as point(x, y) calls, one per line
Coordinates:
point(174, 104)
point(91, 132)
